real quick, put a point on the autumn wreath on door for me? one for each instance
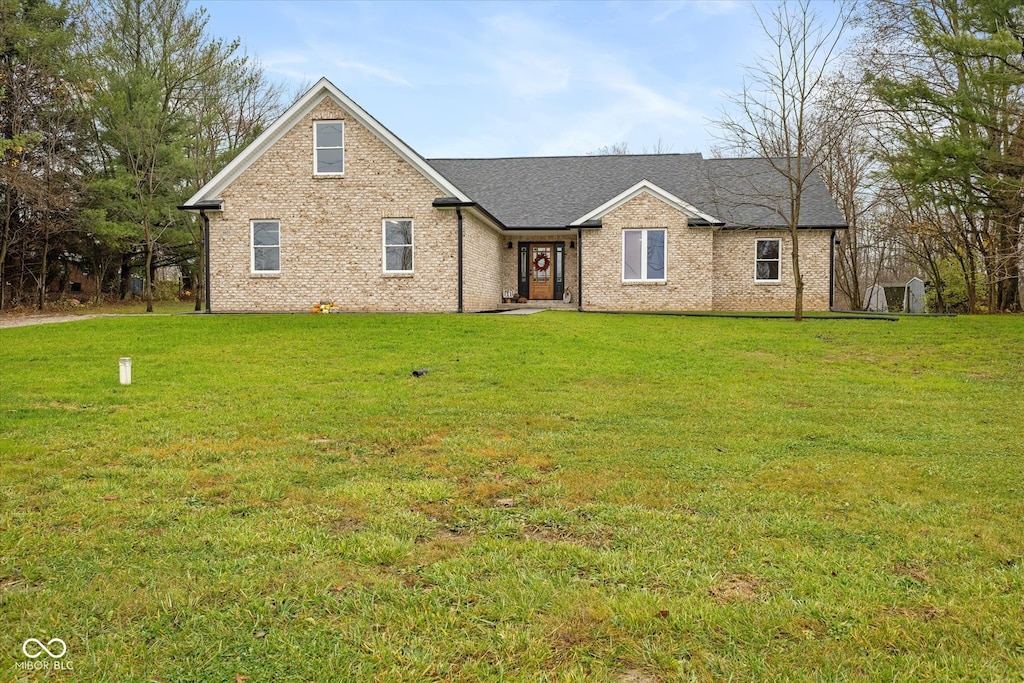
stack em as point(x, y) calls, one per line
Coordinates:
point(541, 262)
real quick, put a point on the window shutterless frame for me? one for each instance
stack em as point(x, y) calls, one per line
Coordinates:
point(265, 246)
point(329, 148)
point(643, 255)
point(768, 259)
point(397, 245)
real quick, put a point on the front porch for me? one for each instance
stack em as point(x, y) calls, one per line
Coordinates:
point(539, 304)
point(542, 267)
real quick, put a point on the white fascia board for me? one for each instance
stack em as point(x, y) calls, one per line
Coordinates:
point(651, 189)
point(295, 113)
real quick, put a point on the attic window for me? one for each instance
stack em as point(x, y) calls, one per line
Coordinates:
point(329, 147)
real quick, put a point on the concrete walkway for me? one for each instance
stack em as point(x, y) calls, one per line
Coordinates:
point(520, 311)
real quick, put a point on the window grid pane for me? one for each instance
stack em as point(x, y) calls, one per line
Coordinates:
point(329, 135)
point(330, 160)
point(767, 249)
point(265, 234)
point(398, 233)
point(655, 254)
point(632, 254)
point(267, 258)
point(399, 258)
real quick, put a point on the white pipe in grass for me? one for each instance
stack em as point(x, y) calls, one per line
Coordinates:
point(126, 370)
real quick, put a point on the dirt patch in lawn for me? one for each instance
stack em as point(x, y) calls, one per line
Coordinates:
point(737, 589)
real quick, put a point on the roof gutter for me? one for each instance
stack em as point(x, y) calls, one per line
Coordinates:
point(579, 268)
point(832, 271)
point(456, 203)
point(202, 208)
point(458, 214)
point(739, 226)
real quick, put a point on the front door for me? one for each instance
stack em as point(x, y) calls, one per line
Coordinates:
point(542, 269)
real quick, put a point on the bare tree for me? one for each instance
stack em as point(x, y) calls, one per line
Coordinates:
point(622, 149)
point(774, 115)
point(846, 126)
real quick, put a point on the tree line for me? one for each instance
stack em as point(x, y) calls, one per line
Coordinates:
point(112, 113)
point(916, 126)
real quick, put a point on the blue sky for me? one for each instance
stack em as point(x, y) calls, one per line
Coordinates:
point(493, 79)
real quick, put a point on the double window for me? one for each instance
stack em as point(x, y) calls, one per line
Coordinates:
point(768, 260)
point(398, 245)
point(329, 147)
point(266, 246)
point(643, 255)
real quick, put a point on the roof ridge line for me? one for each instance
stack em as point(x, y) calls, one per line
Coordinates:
point(567, 156)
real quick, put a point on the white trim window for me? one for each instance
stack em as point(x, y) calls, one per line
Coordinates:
point(329, 147)
point(398, 250)
point(265, 238)
point(768, 260)
point(643, 255)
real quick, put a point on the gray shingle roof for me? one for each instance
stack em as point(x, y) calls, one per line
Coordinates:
point(552, 192)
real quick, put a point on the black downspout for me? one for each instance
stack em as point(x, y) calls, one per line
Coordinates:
point(579, 269)
point(832, 271)
point(206, 259)
point(458, 215)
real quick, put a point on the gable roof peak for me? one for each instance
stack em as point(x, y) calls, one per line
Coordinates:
point(645, 186)
point(301, 108)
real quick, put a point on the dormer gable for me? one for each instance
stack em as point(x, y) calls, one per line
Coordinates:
point(693, 214)
point(331, 152)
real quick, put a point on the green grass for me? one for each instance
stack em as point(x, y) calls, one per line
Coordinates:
point(562, 497)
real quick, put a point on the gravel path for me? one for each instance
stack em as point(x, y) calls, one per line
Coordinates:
point(22, 320)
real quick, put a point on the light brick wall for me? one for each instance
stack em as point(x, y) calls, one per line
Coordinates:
point(332, 245)
point(510, 259)
point(331, 234)
point(688, 259)
point(734, 285)
point(481, 251)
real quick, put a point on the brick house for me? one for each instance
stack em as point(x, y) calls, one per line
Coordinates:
point(327, 204)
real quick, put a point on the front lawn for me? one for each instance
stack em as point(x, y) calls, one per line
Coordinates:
point(561, 497)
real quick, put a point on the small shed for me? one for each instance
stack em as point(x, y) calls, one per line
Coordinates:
point(913, 299)
point(874, 299)
point(896, 297)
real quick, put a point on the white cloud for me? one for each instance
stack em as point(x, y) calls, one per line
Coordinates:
point(705, 7)
point(717, 7)
point(559, 93)
point(514, 78)
point(369, 70)
point(526, 56)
